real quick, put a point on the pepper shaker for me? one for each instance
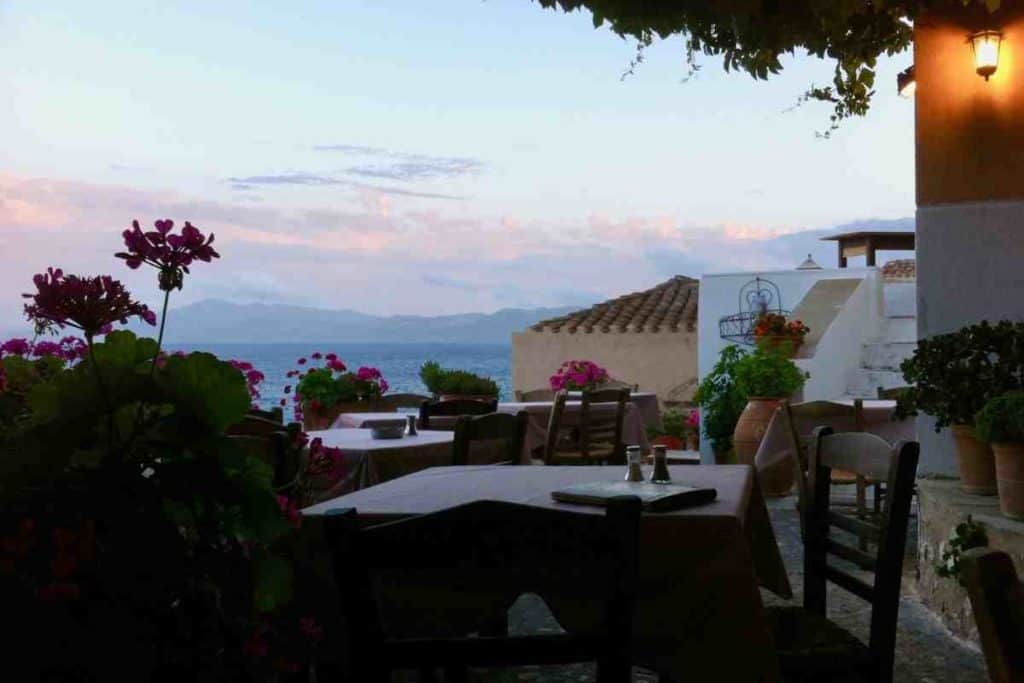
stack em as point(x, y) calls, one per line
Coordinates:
point(410, 429)
point(635, 472)
point(660, 474)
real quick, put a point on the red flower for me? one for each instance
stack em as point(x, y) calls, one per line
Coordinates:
point(88, 303)
point(290, 510)
point(169, 253)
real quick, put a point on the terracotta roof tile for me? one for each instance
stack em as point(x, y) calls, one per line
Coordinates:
point(902, 269)
point(671, 306)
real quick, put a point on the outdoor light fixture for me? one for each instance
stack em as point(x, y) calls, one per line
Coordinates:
point(906, 84)
point(986, 51)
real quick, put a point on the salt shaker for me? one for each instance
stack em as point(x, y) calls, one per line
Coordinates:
point(634, 473)
point(660, 474)
point(410, 429)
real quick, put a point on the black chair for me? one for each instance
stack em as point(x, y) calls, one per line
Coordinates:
point(810, 647)
point(494, 427)
point(523, 549)
point(997, 600)
point(254, 425)
point(595, 437)
point(452, 409)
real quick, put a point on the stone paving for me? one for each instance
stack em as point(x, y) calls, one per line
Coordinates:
point(925, 651)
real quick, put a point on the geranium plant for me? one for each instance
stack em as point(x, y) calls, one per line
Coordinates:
point(721, 399)
point(253, 379)
point(776, 325)
point(578, 375)
point(452, 382)
point(137, 540)
point(331, 384)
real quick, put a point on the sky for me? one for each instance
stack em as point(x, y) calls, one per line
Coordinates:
point(397, 156)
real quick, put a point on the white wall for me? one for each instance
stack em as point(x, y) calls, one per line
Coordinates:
point(838, 351)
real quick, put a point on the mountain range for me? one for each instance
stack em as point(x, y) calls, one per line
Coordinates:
point(214, 320)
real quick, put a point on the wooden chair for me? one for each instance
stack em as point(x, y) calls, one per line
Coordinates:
point(596, 437)
point(524, 549)
point(818, 412)
point(452, 409)
point(997, 599)
point(403, 400)
point(534, 395)
point(619, 384)
point(275, 414)
point(809, 645)
point(273, 449)
point(494, 427)
point(254, 425)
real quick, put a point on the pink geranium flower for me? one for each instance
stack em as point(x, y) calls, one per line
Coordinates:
point(169, 253)
point(87, 303)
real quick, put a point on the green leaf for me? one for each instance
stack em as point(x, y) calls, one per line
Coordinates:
point(204, 388)
point(273, 583)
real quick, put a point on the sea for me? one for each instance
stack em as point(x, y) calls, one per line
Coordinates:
point(398, 362)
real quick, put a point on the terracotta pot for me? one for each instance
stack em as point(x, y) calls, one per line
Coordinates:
point(781, 343)
point(977, 466)
point(1009, 459)
point(323, 418)
point(751, 426)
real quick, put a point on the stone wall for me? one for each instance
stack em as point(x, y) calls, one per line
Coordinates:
point(663, 362)
point(941, 507)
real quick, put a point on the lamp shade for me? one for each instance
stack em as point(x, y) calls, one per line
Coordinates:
point(986, 52)
point(906, 83)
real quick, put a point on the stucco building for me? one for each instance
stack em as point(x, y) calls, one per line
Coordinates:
point(647, 338)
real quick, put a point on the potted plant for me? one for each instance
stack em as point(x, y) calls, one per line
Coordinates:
point(721, 403)
point(952, 376)
point(672, 433)
point(324, 393)
point(773, 332)
point(765, 377)
point(138, 541)
point(578, 375)
point(448, 384)
point(1001, 424)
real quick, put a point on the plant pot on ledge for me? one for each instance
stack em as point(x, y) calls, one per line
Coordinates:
point(975, 460)
point(1009, 465)
point(785, 345)
point(324, 417)
point(751, 426)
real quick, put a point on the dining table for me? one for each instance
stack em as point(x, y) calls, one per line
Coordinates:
point(699, 613)
point(368, 461)
point(539, 412)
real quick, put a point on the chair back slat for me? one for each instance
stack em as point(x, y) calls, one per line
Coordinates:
point(534, 395)
point(867, 455)
point(275, 414)
point(455, 407)
point(855, 526)
point(523, 548)
point(253, 425)
point(403, 400)
point(997, 600)
point(858, 557)
point(494, 427)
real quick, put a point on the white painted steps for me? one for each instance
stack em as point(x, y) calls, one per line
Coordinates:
point(897, 339)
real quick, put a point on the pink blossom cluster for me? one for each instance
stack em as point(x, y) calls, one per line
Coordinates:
point(577, 375)
point(693, 419)
point(372, 376)
point(90, 304)
point(69, 349)
point(166, 251)
point(253, 378)
point(325, 461)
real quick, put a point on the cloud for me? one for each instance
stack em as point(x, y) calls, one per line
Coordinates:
point(374, 252)
point(353, 149)
point(285, 179)
point(420, 170)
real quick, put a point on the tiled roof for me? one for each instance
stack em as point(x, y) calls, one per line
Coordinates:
point(902, 269)
point(671, 306)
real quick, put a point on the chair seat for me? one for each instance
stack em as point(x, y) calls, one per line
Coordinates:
point(809, 643)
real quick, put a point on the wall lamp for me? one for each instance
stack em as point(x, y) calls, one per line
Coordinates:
point(986, 51)
point(906, 84)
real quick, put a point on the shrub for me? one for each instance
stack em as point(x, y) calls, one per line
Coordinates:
point(721, 400)
point(952, 376)
point(1002, 419)
point(446, 381)
point(767, 373)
